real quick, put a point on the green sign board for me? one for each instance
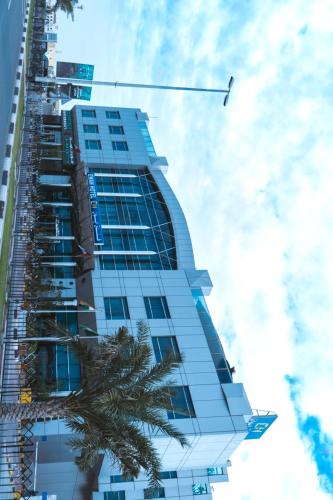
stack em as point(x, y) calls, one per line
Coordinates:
point(68, 155)
point(75, 70)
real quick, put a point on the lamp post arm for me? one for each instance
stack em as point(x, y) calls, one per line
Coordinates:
point(78, 81)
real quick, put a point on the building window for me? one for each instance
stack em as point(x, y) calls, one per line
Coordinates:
point(116, 308)
point(120, 479)
point(112, 115)
point(92, 144)
point(170, 474)
point(164, 346)
point(154, 493)
point(119, 146)
point(182, 403)
point(117, 130)
point(90, 129)
point(88, 113)
point(156, 307)
point(214, 471)
point(114, 495)
point(199, 489)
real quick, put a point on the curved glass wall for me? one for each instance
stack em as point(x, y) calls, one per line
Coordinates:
point(139, 222)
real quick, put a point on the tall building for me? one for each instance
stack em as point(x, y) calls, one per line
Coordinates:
point(113, 198)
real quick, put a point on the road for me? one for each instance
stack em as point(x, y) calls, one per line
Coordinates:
point(11, 26)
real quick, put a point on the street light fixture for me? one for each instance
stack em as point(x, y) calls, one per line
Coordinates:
point(230, 84)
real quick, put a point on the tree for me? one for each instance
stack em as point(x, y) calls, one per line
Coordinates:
point(65, 5)
point(121, 389)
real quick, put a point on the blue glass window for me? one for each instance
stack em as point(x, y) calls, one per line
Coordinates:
point(171, 474)
point(214, 471)
point(116, 308)
point(181, 402)
point(214, 343)
point(92, 144)
point(88, 113)
point(147, 140)
point(64, 366)
point(156, 307)
point(164, 346)
point(154, 493)
point(90, 129)
point(199, 489)
point(119, 146)
point(116, 129)
point(114, 495)
point(148, 210)
point(113, 115)
point(120, 479)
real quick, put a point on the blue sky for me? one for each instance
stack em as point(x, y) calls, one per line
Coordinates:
point(255, 182)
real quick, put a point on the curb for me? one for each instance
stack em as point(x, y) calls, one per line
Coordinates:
point(4, 186)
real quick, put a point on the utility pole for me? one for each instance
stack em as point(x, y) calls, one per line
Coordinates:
point(81, 82)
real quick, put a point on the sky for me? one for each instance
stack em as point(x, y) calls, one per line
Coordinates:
point(254, 180)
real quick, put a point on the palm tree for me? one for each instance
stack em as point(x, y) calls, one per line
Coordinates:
point(66, 5)
point(121, 389)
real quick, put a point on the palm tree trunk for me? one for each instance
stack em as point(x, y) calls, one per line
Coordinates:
point(52, 408)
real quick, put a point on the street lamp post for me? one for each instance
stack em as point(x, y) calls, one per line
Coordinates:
point(78, 81)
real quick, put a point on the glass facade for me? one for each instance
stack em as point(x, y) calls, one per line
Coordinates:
point(114, 495)
point(146, 137)
point(181, 402)
point(214, 471)
point(64, 368)
point(147, 210)
point(199, 489)
point(214, 343)
point(164, 347)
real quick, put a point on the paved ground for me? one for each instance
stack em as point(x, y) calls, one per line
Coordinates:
point(11, 24)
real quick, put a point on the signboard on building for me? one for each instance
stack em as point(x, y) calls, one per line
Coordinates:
point(75, 70)
point(258, 425)
point(68, 147)
point(96, 218)
point(69, 91)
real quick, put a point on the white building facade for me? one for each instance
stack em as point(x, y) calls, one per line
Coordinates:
point(145, 270)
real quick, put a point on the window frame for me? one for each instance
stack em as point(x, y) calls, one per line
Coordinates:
point(120, 478)
point(87, 125)
point(92, 111)
point(116, 114)
point(115, 495)
point(174, 414)
point(149, 309)
point(149, 493)
point(214, 471)
point(108, 308)
point(169, 474)
point(115, 145)
point(204, 489)
point(160, 351)
point(117, 127)
point(88, 143)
